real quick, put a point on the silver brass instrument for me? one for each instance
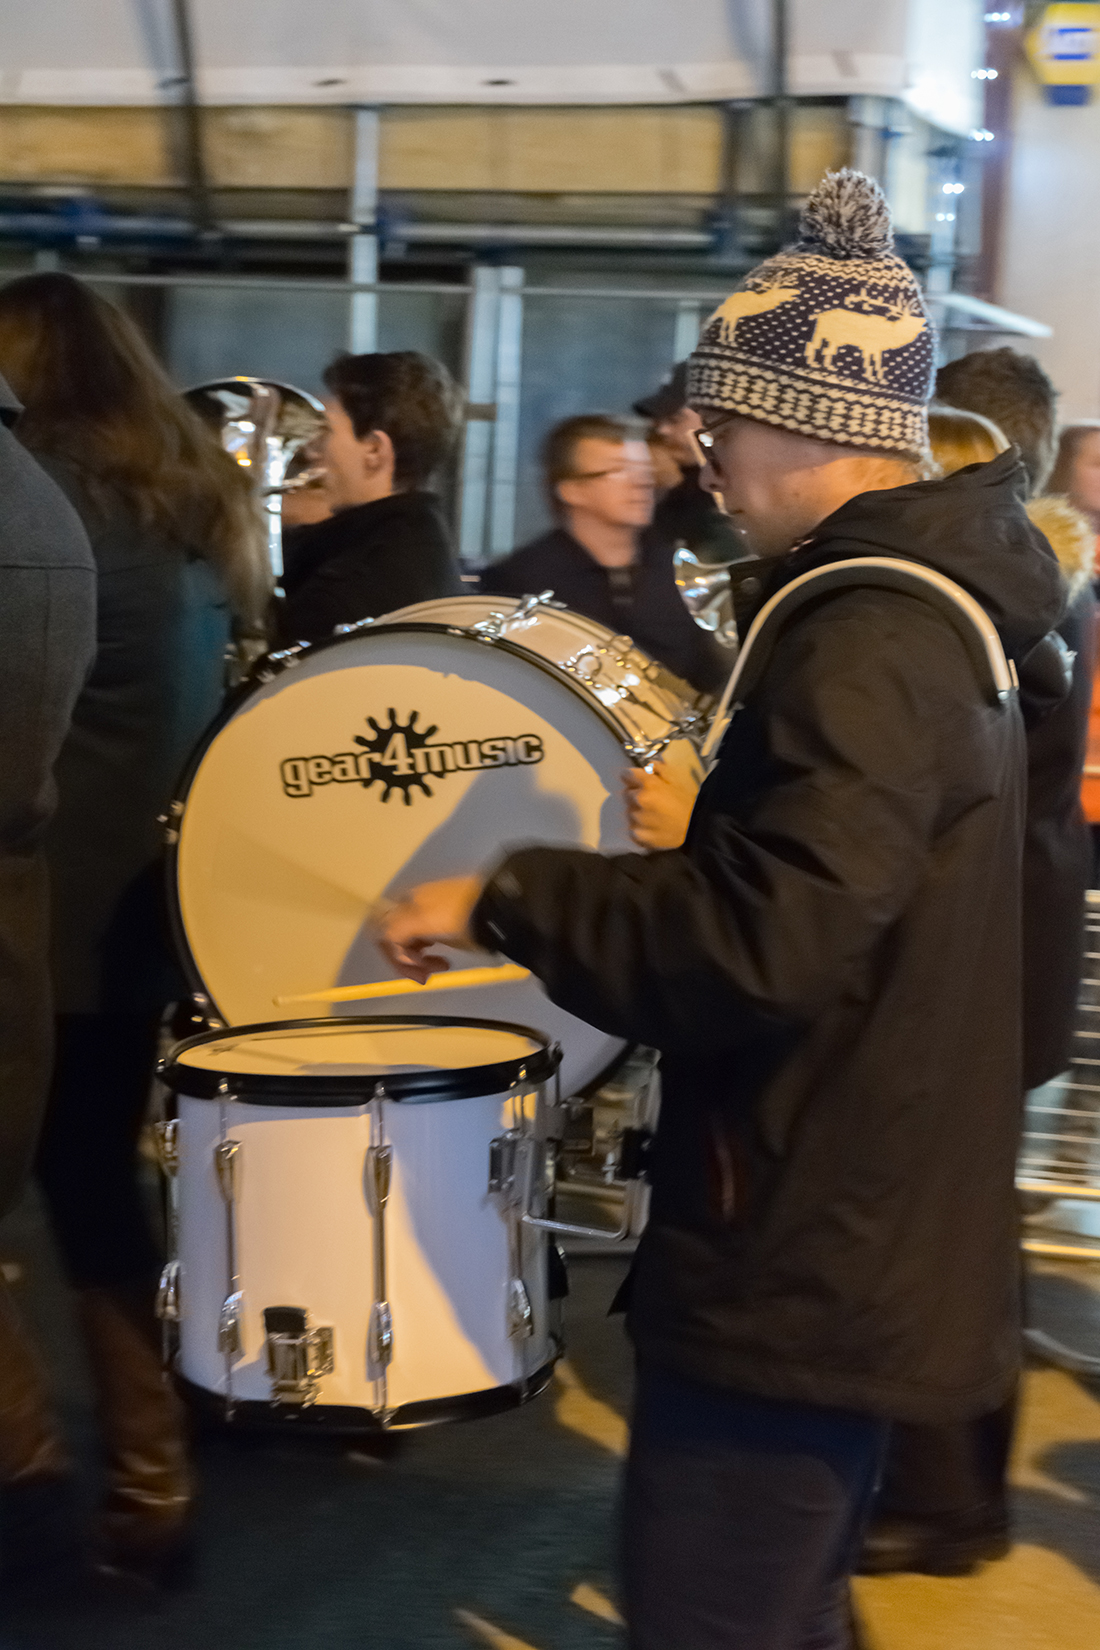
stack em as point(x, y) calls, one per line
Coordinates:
point(264, 425)
point(705, 590)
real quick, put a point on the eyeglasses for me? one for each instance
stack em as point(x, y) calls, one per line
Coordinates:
point(623, 472)
point(703, 438)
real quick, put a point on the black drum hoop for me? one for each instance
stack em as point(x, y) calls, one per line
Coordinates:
point(316, 1090)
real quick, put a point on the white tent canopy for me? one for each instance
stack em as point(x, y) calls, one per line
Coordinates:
point(89, 52)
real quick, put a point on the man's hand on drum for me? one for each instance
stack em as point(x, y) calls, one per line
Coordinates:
point(435, 913)
point(659, 801)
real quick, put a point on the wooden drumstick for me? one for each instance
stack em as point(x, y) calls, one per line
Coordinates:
point(445, 980)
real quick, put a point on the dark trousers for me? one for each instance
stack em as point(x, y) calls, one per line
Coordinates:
point(87, 1152)
point(942, 1472)
point(742, 1518)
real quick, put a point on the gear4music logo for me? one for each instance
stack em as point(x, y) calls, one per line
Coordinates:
point(400, 757)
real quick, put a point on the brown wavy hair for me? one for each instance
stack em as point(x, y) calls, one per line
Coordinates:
point(96, 398)
point(1069, 440)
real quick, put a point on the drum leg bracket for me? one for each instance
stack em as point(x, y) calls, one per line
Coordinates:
point(515, 1164)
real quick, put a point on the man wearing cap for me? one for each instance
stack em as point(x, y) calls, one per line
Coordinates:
point(830, 966)
point(687, 514)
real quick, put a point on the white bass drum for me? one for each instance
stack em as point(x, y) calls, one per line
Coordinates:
point(419, 746)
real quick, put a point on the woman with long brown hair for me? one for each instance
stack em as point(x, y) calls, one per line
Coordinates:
point(179, 553)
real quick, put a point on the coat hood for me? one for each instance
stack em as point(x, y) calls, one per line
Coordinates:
point(972, 527)
point(1069, 535)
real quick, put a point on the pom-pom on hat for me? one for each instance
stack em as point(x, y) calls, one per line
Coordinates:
point(830, 338)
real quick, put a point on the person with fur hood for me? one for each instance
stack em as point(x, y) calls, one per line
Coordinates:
point(829, 965)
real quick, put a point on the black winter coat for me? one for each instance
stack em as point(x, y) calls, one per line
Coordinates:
point(162, 630)
point(650, 609)
point(364, 562)
point(831, 970)
point(47, 643)
point(1057, 856)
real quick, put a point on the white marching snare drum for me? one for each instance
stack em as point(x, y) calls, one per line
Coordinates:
point(419, 746)
point(342, 1245)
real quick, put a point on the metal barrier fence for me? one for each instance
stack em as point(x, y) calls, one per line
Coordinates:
point(1059, 1163)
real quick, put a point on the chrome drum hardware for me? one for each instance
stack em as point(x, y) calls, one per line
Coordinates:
point(296, 1355)
point(230, 1319)
point(379, 1174)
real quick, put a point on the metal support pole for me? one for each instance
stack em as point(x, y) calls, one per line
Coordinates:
point(689, 320)
point(363, 246)
point(197, 181)
point(867, 119)
point(781, 109)
point(502, 523)
point(493, 354)
point(481, 328)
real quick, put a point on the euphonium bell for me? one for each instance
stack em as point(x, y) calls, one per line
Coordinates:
point(706, 593)
point(264, 425)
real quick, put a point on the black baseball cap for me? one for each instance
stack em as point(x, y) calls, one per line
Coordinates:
point(667, 400)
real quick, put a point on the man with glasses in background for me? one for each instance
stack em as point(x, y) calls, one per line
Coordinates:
point(603, 559)
point(687, 514)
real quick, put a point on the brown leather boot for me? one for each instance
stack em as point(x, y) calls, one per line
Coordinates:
point(144, 1529)
point(38, 1525)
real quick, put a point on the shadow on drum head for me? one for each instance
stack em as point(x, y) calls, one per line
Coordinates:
point(470, 840)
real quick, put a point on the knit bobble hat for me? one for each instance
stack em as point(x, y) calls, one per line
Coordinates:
point(830, 338)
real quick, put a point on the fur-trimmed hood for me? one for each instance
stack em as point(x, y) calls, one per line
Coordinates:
point(1070, 537)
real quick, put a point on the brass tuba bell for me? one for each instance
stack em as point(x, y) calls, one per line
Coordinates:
point(705, 590)
point(264, 425)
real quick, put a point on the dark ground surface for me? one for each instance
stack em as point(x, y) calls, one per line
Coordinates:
point(310, 1543)
point(314, 1543)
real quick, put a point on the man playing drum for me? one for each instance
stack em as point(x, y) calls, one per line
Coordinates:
point(822, 1257)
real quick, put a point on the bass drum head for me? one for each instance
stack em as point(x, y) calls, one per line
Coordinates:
point(383, 760)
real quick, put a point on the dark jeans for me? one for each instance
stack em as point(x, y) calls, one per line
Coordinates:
point(87, 1152)
point(743, 1518)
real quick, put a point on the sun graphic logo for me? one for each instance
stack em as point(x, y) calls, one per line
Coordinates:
point(391, 761)
point(401, 756)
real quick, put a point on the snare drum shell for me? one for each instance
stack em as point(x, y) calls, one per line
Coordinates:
point(304, 1234)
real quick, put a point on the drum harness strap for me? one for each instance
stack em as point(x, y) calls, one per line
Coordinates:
point(996, 674)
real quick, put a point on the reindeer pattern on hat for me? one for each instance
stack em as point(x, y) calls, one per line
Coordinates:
point(866, 323)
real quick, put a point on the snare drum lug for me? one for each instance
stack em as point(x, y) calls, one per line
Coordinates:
point(168, 1293)
point(380, 1165)
point(380, 1334)
point(521, 1319)
point(502, 1163)
point(166, 1137)
point(225, 1162)
point(230, 1337)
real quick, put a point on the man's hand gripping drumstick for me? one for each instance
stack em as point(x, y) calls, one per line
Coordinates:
point(659, 800)
point(435, 913)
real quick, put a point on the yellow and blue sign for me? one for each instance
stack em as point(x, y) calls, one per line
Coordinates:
point(1064, 48)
